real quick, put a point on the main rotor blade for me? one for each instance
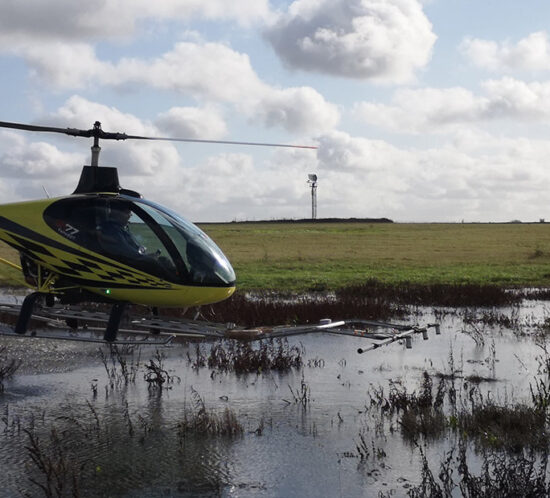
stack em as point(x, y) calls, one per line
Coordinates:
point(227, 142)
point(98, 133)
point(67, 131)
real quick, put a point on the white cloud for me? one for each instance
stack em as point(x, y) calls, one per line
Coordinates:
point(478, 178)
point(433, 110)
point(62, 65)
point(381, 40)
point(218, 75)
point(20, 157)
point(301, 110)
point(233, 186)
point(203, 70)
point(192, 122)
point(78, 111)
point(69, 20)
point(222, 186)
point(27, 167)
point(511, 98)
point(531, 53)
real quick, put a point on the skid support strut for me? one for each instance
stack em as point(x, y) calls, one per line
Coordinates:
point(114, 321)
point(25, 312)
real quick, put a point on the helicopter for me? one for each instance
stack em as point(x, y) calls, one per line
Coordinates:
point(107, 244)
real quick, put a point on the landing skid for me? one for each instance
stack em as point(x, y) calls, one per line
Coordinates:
point(79, 325)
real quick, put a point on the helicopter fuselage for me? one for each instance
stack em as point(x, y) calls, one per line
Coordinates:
point(117, 247)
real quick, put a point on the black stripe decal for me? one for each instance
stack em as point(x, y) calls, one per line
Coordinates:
point(11, 226)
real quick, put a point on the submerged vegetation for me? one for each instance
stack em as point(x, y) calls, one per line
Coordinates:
point(496, 448)
point(198, 420)
point(8, 366)
point(242, 357)
point(373, 300)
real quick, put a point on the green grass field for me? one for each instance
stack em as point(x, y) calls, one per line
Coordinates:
point(304, 256)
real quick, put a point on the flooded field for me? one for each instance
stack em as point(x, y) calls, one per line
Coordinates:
point(445, 416)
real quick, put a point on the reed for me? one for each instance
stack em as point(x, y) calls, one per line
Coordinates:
point(156, 375)
point(8, 367)
point(59, 474)
point(500, 474)
point(198, 420)
point(271, 309)
point(120, 370)
point(244, 357)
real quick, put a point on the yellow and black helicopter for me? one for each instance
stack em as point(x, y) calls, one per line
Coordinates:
point(107, 244)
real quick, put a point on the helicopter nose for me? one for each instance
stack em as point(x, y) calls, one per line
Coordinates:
point(209, 295)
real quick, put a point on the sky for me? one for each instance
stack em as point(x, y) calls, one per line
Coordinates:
point(422, 110)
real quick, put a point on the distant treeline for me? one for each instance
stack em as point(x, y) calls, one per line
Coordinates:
point(318, 220)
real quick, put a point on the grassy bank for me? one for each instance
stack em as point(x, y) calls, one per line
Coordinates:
point(305, 256)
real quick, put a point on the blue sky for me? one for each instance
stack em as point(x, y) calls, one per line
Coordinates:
point(434, 110)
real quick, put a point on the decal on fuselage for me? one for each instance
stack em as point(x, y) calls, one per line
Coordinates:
point(67, 230)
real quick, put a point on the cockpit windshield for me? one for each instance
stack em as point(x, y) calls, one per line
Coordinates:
point(203, 259)
point(142, 234)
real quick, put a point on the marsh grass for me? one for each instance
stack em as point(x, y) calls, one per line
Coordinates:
point(8, 367)
point(198, 420)
point(12, 423)
point(90, 452)
point(301, 396)
point(271, 309)
point(499, 474)
point(495, 449)
point(431, 294)
point(59, 473)
point(120, 370)
point(435, 412)
point(418, 413)
point(509, 427)
point(156, 375)
point(373, 300)
point(244, 357)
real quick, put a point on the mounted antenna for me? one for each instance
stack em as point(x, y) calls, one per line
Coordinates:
point(312, 180)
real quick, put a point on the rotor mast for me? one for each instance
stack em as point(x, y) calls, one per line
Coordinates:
point(96, 149)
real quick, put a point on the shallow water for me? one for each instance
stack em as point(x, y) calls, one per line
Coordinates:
point(121, 439)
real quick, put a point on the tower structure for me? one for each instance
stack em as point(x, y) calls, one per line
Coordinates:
point(312, 181)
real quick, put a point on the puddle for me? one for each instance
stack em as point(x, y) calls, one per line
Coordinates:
point(125, 439)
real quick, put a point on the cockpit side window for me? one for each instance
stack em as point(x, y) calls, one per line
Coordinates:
point(113, 228)
point(143, 235)
point(75, 221)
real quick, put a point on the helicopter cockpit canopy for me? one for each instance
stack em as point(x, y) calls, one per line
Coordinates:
point(144, 235)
